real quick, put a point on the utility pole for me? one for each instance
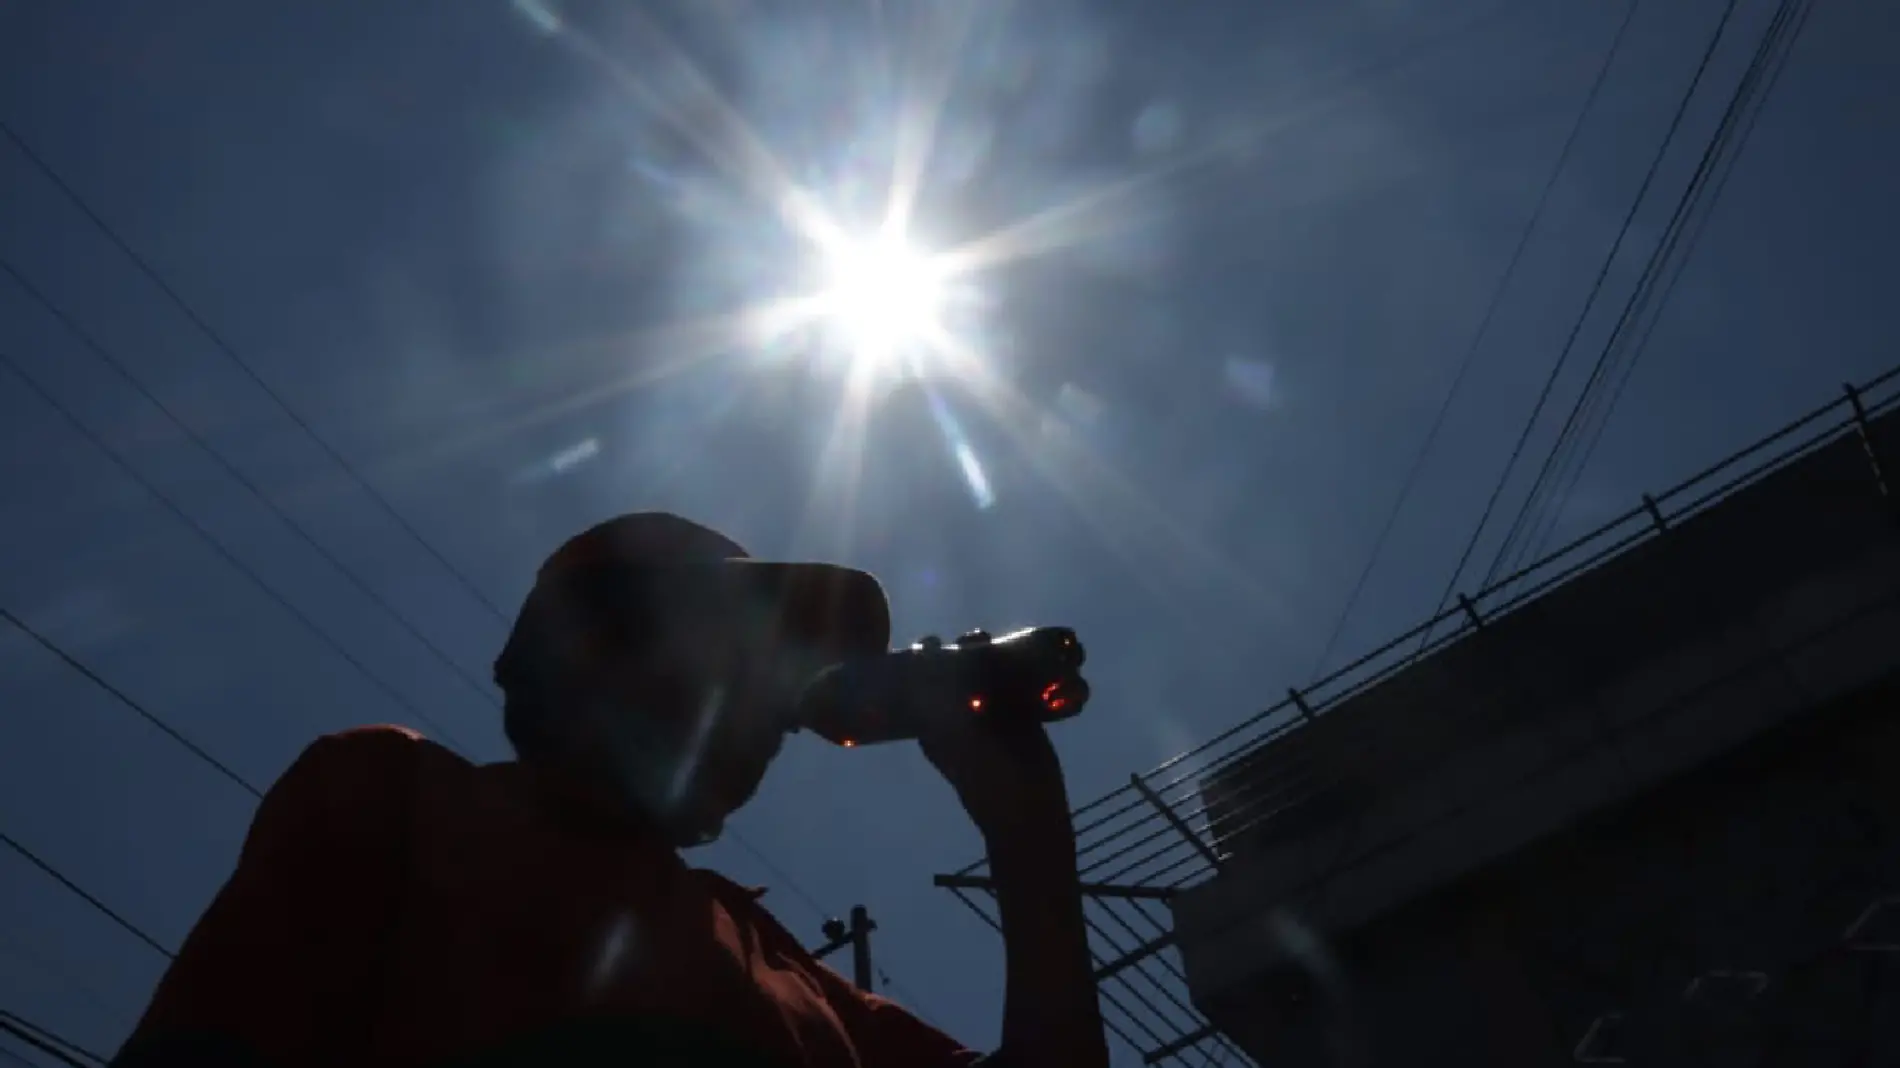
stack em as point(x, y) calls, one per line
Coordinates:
point(858, 937)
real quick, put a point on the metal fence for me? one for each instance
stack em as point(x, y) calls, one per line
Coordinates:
point(1145, 842)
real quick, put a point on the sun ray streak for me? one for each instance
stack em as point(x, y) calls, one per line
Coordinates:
point(729, 142)
point(830, 520)
point(1063, 225)
point(921, 113)
point(1118, 513)
point(1088, 214)
point(682, 348)
point(962, 451)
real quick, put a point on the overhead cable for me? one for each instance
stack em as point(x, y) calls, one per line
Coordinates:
point(112, 361)
point(218, 342)
point(1483, 331)
point(217, 546)
point(1583, 429)
point(1596, 288)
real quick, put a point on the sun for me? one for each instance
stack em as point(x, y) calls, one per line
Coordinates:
point(882, 296)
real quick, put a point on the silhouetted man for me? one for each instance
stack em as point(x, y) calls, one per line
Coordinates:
point(396, 905)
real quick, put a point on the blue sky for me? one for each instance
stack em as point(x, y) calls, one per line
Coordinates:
point(471, 247)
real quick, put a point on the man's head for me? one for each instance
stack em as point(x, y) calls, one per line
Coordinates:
point(656, 659)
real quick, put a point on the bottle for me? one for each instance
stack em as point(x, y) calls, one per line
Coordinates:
point(1032, 673)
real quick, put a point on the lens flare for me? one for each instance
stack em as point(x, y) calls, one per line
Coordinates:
point(883, 296)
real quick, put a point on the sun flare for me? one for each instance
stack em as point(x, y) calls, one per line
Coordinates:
point(882, 296)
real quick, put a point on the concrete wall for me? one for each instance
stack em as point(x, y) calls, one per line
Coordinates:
point(1777, 601)
point(1740, 878)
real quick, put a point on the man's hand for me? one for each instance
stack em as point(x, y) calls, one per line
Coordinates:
point(1010, 782)
point(1006, 774)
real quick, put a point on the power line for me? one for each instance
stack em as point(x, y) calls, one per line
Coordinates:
point(217, 340)
point(1596, 288)
point(1590, 413)
point(1478, 337)
point(218, 546)
point(1515, 530)
point(1691, 215)
point(83, 894)
point(48, 1048)
point(101, 1003)
point(94, 346)
point(133, 704)
point(47, 1041)
point(126, 700)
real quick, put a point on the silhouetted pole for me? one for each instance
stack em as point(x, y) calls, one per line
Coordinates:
point(858, 937)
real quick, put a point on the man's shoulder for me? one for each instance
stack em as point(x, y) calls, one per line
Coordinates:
point(727, 888)
point(377, 744)
point(744, 902)
point(361, 764)
point(376, 738)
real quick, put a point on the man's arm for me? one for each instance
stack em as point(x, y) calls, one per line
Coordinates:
point(278, 972)
point(1011, 784)
point(1051, 1011)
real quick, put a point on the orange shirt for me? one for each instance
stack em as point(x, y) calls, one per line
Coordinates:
point(397, 905)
